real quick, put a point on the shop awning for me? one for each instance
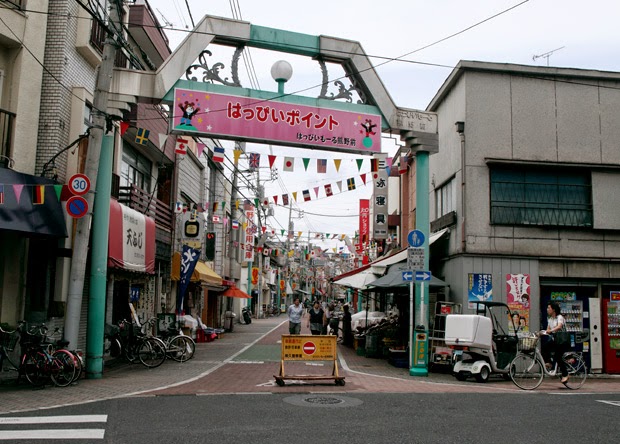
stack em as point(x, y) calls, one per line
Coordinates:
point(207, 275)
point(131, 241)
point(202, 272)
point(31, 205)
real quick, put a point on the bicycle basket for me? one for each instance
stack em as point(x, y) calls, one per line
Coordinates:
point(528, 344)
point(8, 340)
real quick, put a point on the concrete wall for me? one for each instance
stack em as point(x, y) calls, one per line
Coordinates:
point(519, 118)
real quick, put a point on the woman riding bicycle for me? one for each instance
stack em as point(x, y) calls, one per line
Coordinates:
point(555, 323)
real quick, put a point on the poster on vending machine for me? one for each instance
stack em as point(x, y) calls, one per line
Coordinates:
point(518, 300)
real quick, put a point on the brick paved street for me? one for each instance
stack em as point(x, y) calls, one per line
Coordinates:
point(245, 361)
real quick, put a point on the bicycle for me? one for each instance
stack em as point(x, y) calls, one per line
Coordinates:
point(272, 310)
point(527, 369)
point(37, 362)
point(179, 347)
point(59, 345)
point(130, 341)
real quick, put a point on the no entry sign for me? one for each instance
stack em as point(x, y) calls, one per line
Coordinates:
point(309, 348)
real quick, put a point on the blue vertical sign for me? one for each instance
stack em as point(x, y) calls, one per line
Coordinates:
point(480, 288)
point(134, 295)
point(189, 259)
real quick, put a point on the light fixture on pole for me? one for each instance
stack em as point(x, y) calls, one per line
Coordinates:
point(281, 71)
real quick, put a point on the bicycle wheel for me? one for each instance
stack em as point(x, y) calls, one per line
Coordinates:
point(111, 347)
point(181, 348)
point(526, 371)
point(63, 367)
point(33, 367)
point(577, 370)
point(152, 352)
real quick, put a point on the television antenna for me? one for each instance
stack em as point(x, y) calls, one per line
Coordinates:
point(546, 55)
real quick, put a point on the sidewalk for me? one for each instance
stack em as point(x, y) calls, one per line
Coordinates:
point(245, 361)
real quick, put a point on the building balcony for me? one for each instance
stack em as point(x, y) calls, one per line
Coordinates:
point(145, 203)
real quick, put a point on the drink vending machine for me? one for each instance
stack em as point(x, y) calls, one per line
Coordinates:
point(611, 336)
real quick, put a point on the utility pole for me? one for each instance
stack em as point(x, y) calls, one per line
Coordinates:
point(82, 235)
point(260, 242)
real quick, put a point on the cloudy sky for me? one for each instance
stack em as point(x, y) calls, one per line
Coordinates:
point(426, 39)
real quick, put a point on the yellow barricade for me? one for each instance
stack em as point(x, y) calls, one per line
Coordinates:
point(309, 348)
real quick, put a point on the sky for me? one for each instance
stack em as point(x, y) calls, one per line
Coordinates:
point(432, 35)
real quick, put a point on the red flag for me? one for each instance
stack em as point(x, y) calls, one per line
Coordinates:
point(124, 127)
point(272, 159)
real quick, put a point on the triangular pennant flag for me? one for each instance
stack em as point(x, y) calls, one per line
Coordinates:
point(200, 147)
point(237, 204)
point(363, 176)
point(162, 140)
point(282, 232)
point(58, 189)
point(275, 199)
point(299, 233)
point(124, 128)
point(295, 195)
point(223, 205)
point(316, 191)
point(256, 202)
point(236, 155)
point(359, 164)
point(306, 163)
point(272, 159)
point(337, 164)
point(339, 183)
point(17, 189)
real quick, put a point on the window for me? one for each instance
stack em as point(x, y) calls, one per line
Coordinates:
point(541, 197)
point(445, 198)
point(135, 170)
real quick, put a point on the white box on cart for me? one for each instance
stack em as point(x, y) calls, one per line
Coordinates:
point(469, 331)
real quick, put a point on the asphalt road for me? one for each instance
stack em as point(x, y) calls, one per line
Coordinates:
point(331, 417)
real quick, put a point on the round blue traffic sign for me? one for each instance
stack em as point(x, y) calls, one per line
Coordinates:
point(416, 238)
point(77, 206)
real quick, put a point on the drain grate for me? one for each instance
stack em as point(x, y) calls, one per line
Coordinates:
point(323, 400)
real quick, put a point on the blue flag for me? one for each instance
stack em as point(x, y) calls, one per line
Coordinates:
point(189, 259)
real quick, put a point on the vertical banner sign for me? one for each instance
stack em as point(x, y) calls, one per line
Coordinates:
point(364, 224)
point(134, 295)
point(380, 197)
point(480, 288)
point(248, 254)
point(189, 259)
point(210, 246)
point(518, 300)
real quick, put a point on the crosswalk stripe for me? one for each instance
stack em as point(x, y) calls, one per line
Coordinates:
point(64, 434)
point(69, 419)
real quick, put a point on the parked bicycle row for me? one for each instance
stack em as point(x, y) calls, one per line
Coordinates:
point(41, 358)
point(145, 344)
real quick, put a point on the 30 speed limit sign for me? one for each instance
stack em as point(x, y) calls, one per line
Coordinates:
point(79, 184)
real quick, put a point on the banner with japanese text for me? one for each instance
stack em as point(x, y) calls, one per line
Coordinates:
point(249, 118)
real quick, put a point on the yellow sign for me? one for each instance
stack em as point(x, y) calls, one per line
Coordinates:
point(308, 348)
point(420, 349)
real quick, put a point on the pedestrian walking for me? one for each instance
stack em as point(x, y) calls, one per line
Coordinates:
point(295, 312)
point(315, 318)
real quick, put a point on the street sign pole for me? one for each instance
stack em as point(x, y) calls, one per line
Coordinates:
point(419, 338)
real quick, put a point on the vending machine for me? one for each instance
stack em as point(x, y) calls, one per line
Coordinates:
point(611, 336)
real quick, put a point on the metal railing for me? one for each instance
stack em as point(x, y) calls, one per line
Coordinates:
point(143, 202)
